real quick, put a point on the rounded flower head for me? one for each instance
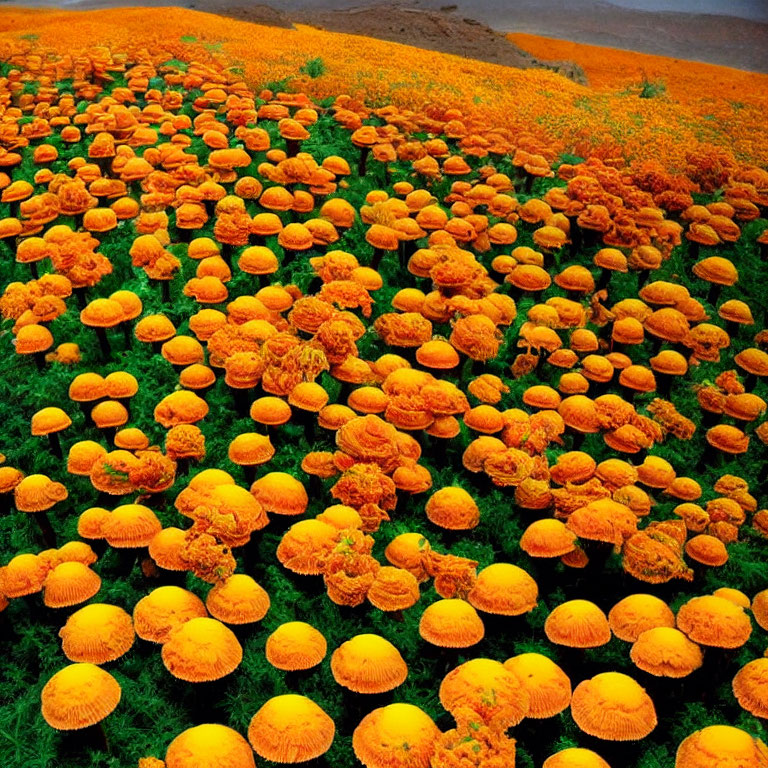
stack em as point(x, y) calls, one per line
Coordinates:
point(291, 729)
point(578, 624)
point(370, 439)
point(728, 439)
point(102, 313)
point(612, 706)
point(437, 354)
point(505, 590)
point(451, 623)
point(750, 687)
point(281, 494)
point(715, 622)
point(36, 493)
point(82, 456)
point(549, 688)
point(78, 696)
point(393, 589)
point(270, 411)
point(707, 550)
point(10, 477)
point(23, 575)
point(131, 526)
point(635, 614)
point(69, 584)
point(547, 538)
point(368, 664)
point(395, 736)
point(209, 746)
point(181, 407)
point(97, 633)
point(485, 686)
point(666, 652)
point(163, 610)
point(305, 544)
point(201, 650)
point(87, 387)
point(32, 339)
point(49, 420)
point(452, 508)
point(579, 413)
point(237, 600)
point(90, 524)
point(251, 449)
point(294, 646)
point(406, 551)
point(477, 337)
point(721, 746)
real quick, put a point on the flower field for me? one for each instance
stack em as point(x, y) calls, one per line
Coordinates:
point(535, 102)
point(365, 406)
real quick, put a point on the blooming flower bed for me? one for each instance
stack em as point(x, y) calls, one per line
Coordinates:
point(346, 434)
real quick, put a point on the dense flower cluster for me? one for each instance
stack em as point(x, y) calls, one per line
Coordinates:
point(339, 326)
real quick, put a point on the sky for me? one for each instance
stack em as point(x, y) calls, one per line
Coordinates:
point(747, 9)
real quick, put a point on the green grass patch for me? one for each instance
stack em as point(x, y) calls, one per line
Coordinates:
point(313, 68)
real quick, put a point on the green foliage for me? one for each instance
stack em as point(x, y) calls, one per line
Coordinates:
point(176, 63)
point(569, 159)
point(314, 68)
point(278, 86)
point(585, 103)
point(652, 89)
point(155, 707)
point(188, 39)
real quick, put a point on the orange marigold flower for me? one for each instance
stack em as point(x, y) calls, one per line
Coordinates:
point(477, 337)
point(365, 484)
point(337, 340)
point(508, 468)
point(403, 329)
point(185, 441)
point(370, 439)
point(487, 388)
point(710, 398)
point(208, 559)
point(665, 413)
point(372, 516)
point(654, 559)
point(154, 472)
point(227, 341)
point(347, 294)
point(309, 313)
point(349, 569)
point(454, 576)
point(473, 744)
point(730, 382)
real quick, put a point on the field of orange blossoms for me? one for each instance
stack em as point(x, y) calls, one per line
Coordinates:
point(712, 97)
point(724, 113)
point(369, 433)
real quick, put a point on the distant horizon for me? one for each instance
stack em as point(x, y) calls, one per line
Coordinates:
point(755, 10)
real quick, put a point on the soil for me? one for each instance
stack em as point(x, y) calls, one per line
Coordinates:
point(441, 29)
